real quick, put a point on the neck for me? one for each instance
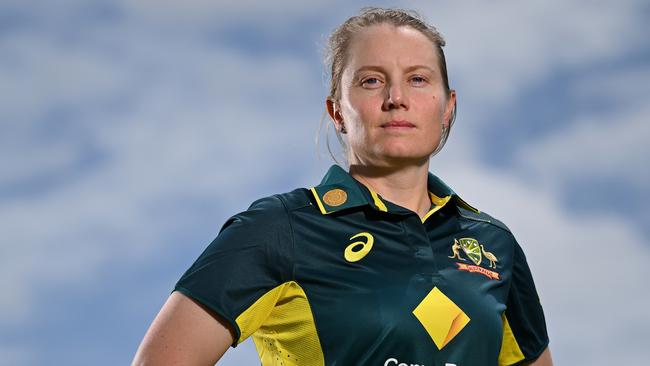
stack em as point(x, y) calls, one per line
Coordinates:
point(404, 186)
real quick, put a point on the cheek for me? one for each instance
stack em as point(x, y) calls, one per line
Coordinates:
point(436, 107)
point(359, 111)
point(427, 108)
point(350, 114)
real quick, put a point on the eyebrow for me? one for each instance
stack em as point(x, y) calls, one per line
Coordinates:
point(381, 69)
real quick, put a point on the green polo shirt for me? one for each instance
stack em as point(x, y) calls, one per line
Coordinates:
point(337, 275)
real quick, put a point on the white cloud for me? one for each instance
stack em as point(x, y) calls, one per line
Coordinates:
point(276, 18)
point(40, 72)
point(190, 118)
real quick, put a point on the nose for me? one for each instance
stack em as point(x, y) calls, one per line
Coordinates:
point(395, 97)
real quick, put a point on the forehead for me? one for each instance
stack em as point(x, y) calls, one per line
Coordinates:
point(385, 44)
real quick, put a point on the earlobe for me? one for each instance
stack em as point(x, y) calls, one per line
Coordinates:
point(343, 130)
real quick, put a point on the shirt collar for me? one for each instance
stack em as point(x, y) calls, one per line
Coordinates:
point(339, 190)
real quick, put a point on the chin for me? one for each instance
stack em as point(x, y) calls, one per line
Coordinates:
point(404, 156)
point(408, 152)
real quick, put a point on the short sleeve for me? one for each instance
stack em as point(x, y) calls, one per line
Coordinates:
point(524, 327)
point(250, 256)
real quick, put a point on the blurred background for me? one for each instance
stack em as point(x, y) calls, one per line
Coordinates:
point(131, 130)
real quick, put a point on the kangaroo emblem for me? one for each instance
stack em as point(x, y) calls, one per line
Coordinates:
point(456, 250)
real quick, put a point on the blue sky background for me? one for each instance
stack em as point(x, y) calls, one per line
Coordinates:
point(131, 130)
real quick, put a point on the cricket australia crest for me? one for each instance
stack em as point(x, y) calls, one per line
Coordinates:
point(475, 252)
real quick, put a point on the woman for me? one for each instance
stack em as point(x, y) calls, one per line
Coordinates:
point(380, 265)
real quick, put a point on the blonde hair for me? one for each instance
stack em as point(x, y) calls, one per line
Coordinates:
point(336, 53)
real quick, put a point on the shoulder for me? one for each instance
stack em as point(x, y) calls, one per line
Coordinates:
point(489, 231)
point(271, 210)
point(287, 201)
point(482, 217)
point(261, 233)
point(296, 199)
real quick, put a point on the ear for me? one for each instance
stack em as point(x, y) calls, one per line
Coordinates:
point(449, 108)
point(334, 111)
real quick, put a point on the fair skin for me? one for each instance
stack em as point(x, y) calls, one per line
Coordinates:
point(392, 75)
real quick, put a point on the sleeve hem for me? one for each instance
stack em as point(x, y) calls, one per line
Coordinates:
point(213, 308)
point(532, 357)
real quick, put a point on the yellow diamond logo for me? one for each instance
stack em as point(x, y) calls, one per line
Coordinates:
point(441, 318)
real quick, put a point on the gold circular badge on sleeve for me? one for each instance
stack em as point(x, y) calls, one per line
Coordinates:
point(335, 197)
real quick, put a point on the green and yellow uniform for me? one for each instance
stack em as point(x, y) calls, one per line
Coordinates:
point(336, 275)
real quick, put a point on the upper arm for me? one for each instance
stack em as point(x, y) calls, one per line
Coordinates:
point(184, 333)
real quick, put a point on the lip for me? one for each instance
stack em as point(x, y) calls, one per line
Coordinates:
point(398, 124)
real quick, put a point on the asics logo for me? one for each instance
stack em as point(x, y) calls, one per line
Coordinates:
point(359, 249)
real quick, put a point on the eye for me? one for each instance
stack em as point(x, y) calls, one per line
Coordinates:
point(371, 82)
point(418, 80)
